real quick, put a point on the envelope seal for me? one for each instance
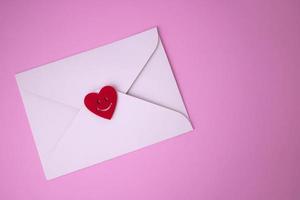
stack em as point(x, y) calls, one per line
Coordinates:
point(102, 104)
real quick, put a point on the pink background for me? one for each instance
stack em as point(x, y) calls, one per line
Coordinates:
point(237, 65)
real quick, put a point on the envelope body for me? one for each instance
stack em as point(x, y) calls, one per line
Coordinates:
point(149, 109)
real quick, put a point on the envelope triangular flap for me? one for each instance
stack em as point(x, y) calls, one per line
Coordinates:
point(157, 84)
point(48, 121)
point(70, 79)
point(90, 139)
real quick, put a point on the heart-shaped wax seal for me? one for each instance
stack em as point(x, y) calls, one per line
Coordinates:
point(102, 104)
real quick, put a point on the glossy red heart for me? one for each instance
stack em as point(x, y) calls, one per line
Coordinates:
point(102, 104)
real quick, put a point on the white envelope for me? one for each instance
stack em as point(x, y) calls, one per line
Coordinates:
point(149, 109)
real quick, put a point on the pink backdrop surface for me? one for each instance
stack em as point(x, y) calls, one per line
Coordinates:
point(237, 64)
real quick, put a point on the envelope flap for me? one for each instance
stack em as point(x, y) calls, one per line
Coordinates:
point(70, 79)
point(90, 139)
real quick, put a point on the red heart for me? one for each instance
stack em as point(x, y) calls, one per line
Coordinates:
point(102, 104)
